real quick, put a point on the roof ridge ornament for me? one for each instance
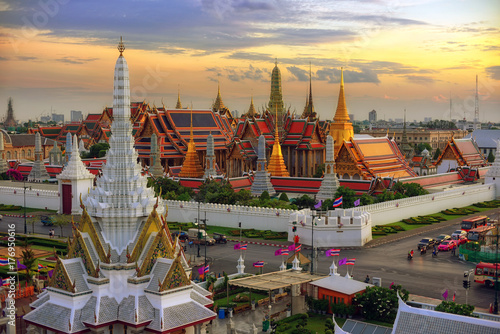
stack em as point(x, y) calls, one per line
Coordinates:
point(121, 46)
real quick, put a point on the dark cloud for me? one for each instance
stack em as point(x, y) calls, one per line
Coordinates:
point(332, 75)
point(3, 58)
point(419, 79)
point(239, 74)
point(298, 73)
point(491, 48)
point(73, 60)
point(25, 58)
point(383, 20)
point(250, 56)
point(493, 72)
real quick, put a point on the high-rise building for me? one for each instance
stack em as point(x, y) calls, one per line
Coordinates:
point(58, 118)
point(372, 116)
point(76, 116)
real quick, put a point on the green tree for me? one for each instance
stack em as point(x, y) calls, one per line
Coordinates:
point(243, 197)
point(264, 196)
point(367, 199)
point(284, 197)
point(408, 190)
point(421, 146)
point(216, 191)
point(304, 201)
point(436, 154)
point(319, 171)
point(378, 303)
point(348, 196)
point(28, 259)
point(61, 221)
point(385, 196)
point(96, 151)
point(491, 157)
point(452, 307)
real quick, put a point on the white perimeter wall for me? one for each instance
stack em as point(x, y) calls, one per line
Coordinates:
point(393, 211)
point(35, 198)
point(229, 215)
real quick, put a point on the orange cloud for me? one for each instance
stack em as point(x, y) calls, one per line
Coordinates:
point(439, 98)
point(387, 97)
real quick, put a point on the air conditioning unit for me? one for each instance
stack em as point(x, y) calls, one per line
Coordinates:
point(377, 281)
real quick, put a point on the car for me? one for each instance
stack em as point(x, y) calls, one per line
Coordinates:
point(183, 236)
point(220, 238)
point(47, 220)
point(1, 217)
point(426, 243)
point(208, 240)
point(458, 233)
point(446, 245)
point(461, 240)
point(442, 237)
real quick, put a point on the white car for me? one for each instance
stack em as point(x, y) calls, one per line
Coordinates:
point(458, 233)
point(1, 217)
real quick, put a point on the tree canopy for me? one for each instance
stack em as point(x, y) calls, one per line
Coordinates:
point(96, 151)
point(381, 304)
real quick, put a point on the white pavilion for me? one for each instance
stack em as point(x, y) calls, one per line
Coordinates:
point(124, 273)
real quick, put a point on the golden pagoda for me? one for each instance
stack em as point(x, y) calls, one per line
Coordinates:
point(179, 104)
point(341, 128)
point(276, 164)
point(251, 111)
point(191, 167)
point(218, 104)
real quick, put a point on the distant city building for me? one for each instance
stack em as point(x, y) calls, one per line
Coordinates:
point(372, 116)
point(398, 120)
point(76, 116)
point(351, 116)
point(427, 119)
point(45, 119)
point(58, 118)
point(435, 138)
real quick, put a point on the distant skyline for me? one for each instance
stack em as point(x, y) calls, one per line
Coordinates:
point(59, 55)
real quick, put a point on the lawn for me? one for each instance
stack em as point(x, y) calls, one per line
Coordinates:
point(255, 296)
point(315, 323)
point(28, 210)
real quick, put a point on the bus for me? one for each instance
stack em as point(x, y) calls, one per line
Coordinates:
point(479, 233)
point(474, 222)
point(485, 273)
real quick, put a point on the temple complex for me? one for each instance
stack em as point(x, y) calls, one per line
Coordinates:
point(124, 273)
point(262, 178)
point(276, 166)
point(191, 166)
point(460, 153)
point(341, 128)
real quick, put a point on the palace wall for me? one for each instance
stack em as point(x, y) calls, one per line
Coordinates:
point(35, 198)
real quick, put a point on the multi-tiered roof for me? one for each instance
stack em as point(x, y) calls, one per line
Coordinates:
point(123, 268)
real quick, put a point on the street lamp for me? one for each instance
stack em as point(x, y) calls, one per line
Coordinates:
point(312, 240)
point(205, 236)
point(25, 226)
point(467, 274)
point(198, 223)
point(495, 304)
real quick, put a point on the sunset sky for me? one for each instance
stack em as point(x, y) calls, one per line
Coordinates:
point(59, 55)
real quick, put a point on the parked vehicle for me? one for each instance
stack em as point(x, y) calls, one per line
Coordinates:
point(202, 238)
point(458, 233)
point(479, 233)
point(47, 220)
point(220, 238)
point(447, 245)
point(1, 217)
point(442, 237)
point(426, 243)
point(461, 240)
point(183, 236)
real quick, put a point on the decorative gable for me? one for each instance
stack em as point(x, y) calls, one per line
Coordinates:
point(161, 247)
point(176, 276)
point(87, 226)
point(60, 279)
point(78, 249)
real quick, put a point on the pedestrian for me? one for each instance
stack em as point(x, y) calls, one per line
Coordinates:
point(367, 279)
point(453, 250)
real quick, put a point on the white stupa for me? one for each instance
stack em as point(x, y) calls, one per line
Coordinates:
point(124, 273)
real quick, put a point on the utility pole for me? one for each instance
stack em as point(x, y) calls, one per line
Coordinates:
point(198, 236)
point(495, 304)
point(205, 236)
point(25, 226)
point(312, 241)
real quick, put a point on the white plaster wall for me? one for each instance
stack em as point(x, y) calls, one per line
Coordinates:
point(230, 215)
point(354, 230)
point(39, 199)
point(393, 211)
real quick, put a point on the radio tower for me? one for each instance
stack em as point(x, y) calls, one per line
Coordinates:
point(476, 108)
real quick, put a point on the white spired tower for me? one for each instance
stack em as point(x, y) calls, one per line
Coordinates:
point(124, 273)
point(120, 202)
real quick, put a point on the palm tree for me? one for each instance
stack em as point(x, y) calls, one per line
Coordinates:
point(28, 258)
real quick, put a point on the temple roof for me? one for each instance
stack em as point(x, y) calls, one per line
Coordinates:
point(465, 151)
point(375, 157)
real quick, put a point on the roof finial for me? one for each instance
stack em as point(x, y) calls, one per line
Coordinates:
point(121, 46)
point(276, 61)
point(342, 76)
point(191, 126)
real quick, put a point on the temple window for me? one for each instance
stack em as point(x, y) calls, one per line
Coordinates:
point(29, 153)
point(8, 155)
point(346, 176)
point(356, 177)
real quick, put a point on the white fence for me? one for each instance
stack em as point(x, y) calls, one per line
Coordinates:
point(230, 215)
point(35, 198)
point(393, 211)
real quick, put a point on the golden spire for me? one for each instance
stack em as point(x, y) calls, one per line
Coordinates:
point(251, 111)
point(341, 115)
point(191, 167)
point(276, 164)
point(121, 46)
point(179, 104)
point(218, 104)
point(341, 128)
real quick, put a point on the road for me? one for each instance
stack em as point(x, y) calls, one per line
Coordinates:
point(424, 275)
point(37, 227)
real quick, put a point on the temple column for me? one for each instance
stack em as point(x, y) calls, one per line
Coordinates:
point(296, 156)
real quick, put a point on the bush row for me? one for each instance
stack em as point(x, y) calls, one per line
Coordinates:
point(460, 211)
point(488, 204)
point(4, 207)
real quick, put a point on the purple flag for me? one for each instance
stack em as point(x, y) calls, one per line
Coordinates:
point(201, 270)
point(445, 294)
point(333, 252)
point(343, 261)
point(237, 246)
point(317, 206)
point(278, 252)
point(21, 266)
point(51, 272)
point(291, 248)
point(357, 202)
